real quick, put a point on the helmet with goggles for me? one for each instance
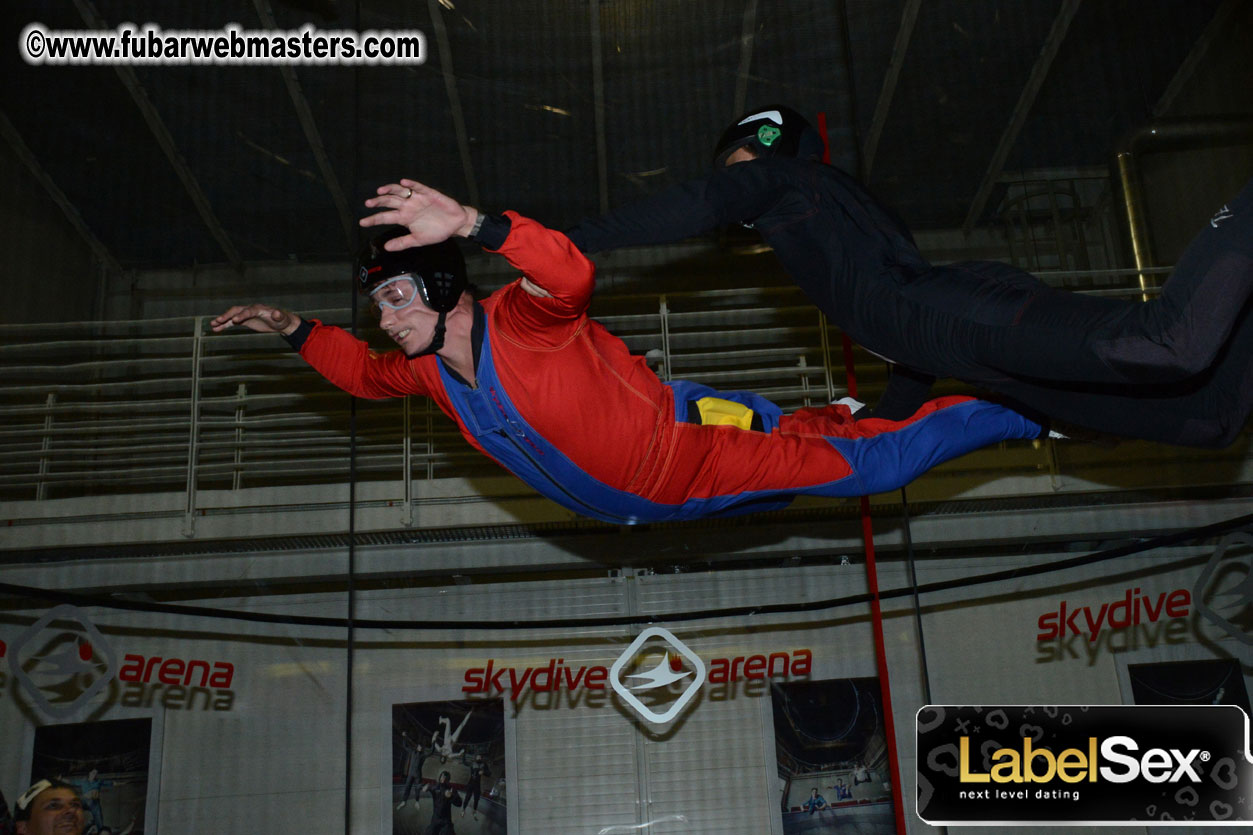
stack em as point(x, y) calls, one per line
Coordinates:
point(436, 274)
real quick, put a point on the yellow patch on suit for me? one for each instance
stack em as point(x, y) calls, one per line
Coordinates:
point(714, 411)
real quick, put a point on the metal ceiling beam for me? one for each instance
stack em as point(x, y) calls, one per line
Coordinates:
point(746, 58)
point(162, 134)
point(312, 135)
point(909, 17)
point(1216, 26)
point(454, 100)
point(63, 203)
point(1022, 110)
point(598, 98)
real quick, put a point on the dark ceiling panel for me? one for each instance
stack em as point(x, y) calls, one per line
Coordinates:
point(800, 59)
point(401, 115)
point(377, 123)
point(237, 129)
point(523, 73)
point(1090, 102)
point(873, 26)
point(524, 76)
point(965, 70)
point(85, 130)
point(670, 76)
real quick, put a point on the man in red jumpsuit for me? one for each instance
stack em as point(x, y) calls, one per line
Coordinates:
point(556, 399)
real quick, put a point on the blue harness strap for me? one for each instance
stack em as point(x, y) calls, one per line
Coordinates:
point(488, 414)
point(685, 392)
point(882, 462)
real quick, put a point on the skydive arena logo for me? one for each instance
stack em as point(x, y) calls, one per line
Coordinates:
point(658, 678)
point(1098, 765)
point(61, 670)
point(63, 665)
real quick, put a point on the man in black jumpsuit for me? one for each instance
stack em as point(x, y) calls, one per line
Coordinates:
point(1176, 369)
point(445, 797)
point(474, 785)
point(418, 752)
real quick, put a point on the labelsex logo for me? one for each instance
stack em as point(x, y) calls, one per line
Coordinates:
point(1157, 765)
point(1038, 765)
point(670, 670)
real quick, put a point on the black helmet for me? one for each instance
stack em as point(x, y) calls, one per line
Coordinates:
point(439, 270)
point(773, 129)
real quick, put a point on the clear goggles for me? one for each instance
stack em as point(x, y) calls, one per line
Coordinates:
point(396, 293)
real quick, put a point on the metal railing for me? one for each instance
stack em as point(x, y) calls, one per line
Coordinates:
point(166, 406)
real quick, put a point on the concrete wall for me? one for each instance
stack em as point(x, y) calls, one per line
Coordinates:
point(266, 750)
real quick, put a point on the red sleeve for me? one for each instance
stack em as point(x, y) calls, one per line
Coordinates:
point(348, 363)
point(549, 259)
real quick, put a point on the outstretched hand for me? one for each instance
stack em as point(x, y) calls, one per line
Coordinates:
point(258, 317)
point(431, 216)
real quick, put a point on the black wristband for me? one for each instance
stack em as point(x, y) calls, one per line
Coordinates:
point(297, 338)
point(492, 231)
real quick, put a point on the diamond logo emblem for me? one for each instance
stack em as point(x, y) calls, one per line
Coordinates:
point(661, 676)
point(67, 668)
point(1224, 590)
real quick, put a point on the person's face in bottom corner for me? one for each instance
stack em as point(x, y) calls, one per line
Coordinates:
point(54, 812)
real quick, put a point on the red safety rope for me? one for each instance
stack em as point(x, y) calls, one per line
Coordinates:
point(872, 578)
